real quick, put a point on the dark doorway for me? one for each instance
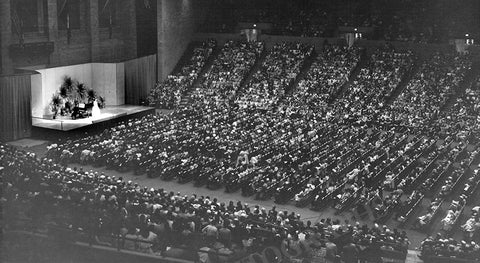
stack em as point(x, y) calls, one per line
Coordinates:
point(146, 11)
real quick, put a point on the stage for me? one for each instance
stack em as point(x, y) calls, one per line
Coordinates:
point(108, 115)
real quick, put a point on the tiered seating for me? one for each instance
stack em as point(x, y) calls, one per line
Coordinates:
point(402, 20)
point(352, 153)
point(229, 70)
point(462, 118)
point(384, 207)
point(328, 73)
point(278, 71)
point(362, 177)
point(428, 90)
point(339, 156)
point(464, 159)
point(374, 84)
point(108, 211)
point(168, 93)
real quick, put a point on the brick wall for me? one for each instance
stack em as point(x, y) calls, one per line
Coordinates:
point(87, 44)
point(177, 20)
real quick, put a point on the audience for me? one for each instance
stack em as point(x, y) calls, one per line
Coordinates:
point(402, 20)
point(335, 139)
point(229, 69)
point(158, 220)
point(168, 93)
point(448, 247)
point(328, 73)
point(277, 73)
point(428, 91)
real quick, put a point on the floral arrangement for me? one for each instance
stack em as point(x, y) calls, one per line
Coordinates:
point(72, 93)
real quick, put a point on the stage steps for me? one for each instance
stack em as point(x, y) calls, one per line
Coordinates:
point(364, 58)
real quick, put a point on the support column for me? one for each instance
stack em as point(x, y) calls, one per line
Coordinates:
point(53, 31)
point(6, 66)
point(94, 30)
point(175, 27)
point(160, 40)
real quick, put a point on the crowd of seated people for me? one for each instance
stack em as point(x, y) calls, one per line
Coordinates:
point(396, 181)
point(154, 220)
point(453, 213)
point(229, 69)
point(464, 160)
point(203, 143)
point(328, 73)
point(428, 90)
point(169, 92)
point(462, 118)
point(278, 71)
point(375, 83)
point(403, 20)
point(430, 170)
point(471, 227)
point(441, 246)
point(295, 151)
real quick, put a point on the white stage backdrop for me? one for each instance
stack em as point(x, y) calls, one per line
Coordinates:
point(107, 79)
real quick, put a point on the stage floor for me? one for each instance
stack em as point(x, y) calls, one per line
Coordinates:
point(65, 123)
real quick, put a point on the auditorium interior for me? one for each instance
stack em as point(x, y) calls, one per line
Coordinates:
point(249, 131)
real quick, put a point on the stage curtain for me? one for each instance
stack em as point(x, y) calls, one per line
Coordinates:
point(15, 109)
point(140, 78)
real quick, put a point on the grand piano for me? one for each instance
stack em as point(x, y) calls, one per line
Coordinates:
point(82, 110)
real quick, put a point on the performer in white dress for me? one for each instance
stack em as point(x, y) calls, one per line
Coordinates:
point(95, 109)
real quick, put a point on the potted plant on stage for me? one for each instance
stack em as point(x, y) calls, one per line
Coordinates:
point(68, 93)
point(81, 92)
point(55, 104)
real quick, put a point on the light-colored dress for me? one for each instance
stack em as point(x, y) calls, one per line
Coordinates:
point(95, 110)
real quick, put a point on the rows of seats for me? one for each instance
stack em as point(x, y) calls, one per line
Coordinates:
point(168, 93)
point(460, 159)
point(461, 119)
point(428, 90)
point(334, 156)
point(278, 71)
point(374, 84)
point(112, 212)
point(442, 248)
point(229, 69)
point(329, 72)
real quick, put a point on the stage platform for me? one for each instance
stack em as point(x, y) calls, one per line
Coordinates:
point(108, 117)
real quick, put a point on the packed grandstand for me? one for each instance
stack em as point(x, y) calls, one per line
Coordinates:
point(385, 136)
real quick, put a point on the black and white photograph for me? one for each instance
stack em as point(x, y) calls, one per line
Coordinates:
point(240, 131)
